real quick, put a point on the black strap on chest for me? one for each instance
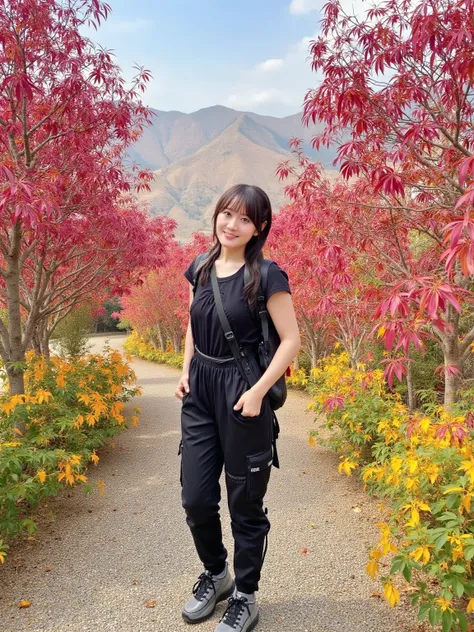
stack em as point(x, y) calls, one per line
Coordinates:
point(238, 352)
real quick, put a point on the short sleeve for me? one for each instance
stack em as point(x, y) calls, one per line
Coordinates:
point(277, 281)
point(189, 272)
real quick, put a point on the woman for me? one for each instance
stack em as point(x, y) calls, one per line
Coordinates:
point(224, 421)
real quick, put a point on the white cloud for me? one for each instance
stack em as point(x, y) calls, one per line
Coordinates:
point(259, 90)
point(303, 45)
point(270, 65)
point(248, 99)
point(351, 7)
point(301, 7)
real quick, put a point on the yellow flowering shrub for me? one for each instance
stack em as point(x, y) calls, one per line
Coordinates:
point(354, 402)
point(136, 345)
point(297, 379)
point(69, 409)
point(423, 468)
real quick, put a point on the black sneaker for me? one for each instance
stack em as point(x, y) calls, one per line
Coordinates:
point(207, 591)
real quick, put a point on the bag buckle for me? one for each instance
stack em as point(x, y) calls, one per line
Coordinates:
point(229, 335)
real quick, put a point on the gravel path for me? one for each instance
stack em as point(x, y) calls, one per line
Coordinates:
point(98, 559)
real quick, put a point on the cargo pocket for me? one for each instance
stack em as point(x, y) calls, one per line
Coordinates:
point(258, 473)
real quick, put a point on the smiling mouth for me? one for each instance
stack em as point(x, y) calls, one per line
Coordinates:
point(229, 235)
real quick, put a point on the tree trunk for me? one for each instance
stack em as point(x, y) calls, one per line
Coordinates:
point(311, 345)
point(12, 281)
point(35, 343)
point(452, 358)
point(45, 342)
point(410, 391)
point(161, 338)
point(177, 343)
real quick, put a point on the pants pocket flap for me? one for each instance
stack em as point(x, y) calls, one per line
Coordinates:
point(261, 461)
point(258, 474)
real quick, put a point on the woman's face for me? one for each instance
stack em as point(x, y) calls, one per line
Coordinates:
point(234, 229)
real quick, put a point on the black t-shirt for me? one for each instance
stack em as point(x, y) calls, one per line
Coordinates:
point(207, 330)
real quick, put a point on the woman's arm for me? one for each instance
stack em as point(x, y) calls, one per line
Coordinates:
point(280, 308)
point(183, 385)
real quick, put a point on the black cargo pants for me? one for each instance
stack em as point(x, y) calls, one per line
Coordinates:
point(213, 436)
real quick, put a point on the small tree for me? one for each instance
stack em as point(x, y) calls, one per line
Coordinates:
point(72, 333)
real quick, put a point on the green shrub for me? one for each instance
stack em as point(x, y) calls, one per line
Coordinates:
point(72, 333)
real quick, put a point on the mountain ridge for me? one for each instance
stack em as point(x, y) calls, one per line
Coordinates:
point(199, 155)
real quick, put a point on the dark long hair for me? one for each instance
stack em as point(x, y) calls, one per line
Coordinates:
point(259, 210)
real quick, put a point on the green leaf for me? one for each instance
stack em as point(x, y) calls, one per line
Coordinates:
point(397, 564)
point(451, 500)
point(447, 621)
point(469, 552)
point(424, 609)
point(457, 568)
point(458, 587)
point(441, 541)
point(415, 599)
point(432, 615)
point(448, 515)
point(407, 572)
point(462, 622)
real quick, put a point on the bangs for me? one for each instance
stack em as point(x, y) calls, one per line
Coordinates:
point(247, 200)
point(238, 205)
point(243, 201)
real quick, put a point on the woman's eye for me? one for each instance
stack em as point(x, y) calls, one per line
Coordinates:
point(245, 219)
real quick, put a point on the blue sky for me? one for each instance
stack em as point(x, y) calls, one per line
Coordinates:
point(245, 54)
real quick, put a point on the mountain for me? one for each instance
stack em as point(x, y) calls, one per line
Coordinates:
point(196, 157)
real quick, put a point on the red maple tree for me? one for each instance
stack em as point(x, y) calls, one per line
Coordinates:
point(69, 223)
point(396, 98)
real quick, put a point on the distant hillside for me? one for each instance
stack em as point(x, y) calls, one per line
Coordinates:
point(197, 156)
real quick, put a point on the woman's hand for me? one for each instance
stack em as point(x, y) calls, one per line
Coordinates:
point(183, 386)
point(250, 404)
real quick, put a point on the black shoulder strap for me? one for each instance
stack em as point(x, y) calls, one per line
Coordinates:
point(238, 353)
point(197, 267)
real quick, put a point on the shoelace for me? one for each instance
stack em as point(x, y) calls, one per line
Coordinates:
point(202, 585)
point(234, 611)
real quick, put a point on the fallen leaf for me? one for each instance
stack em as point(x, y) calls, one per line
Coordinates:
point(24, 604)
point(150, 604)
point(304, 550)
point(376, 594)
point(313, 526)
point(48, 570)
point(356, 509)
